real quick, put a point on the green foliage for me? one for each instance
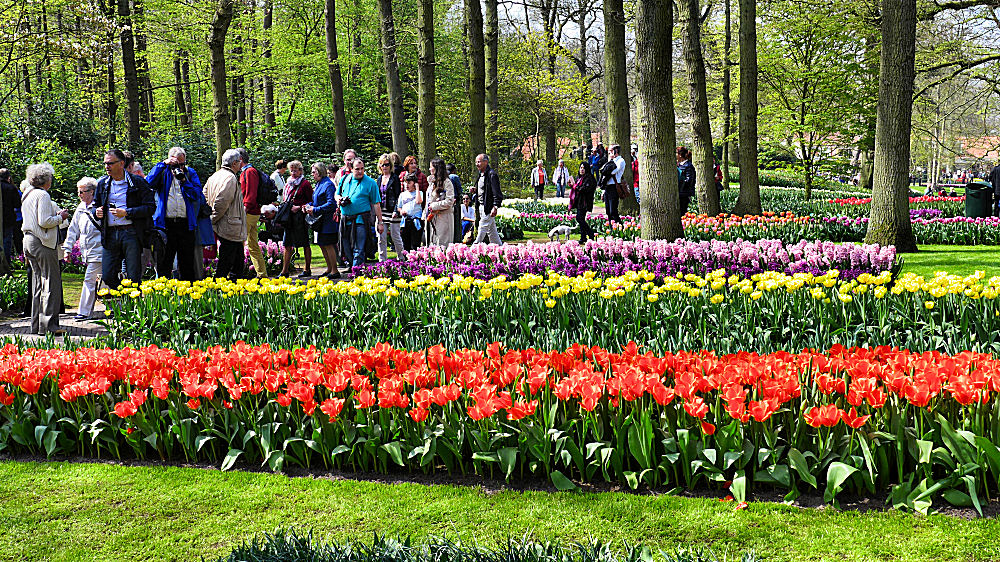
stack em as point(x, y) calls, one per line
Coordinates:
point(293, 546)
point(13, 292)
point(18, 152)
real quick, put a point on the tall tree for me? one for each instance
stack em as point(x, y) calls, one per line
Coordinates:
point(217, 61)
point(701, 125)
point(660, 199)
point(477, 77)
point(727, 104)
point(336, 79)
point(397, 118)
point(616, 91)
point(492, 39)
point(889, 222)
point(749, 200)
point(181, 107)
point(426, 141)
point(131, 77)
point(268, 80)
point(147, 103)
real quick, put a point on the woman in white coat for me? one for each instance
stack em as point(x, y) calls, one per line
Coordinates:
point(439, 212)
point(41, 232)
point(85, 229)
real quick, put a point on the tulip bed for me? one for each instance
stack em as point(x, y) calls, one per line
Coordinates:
point(766, 312)
point(922, 425)
point(608, 257)
point(930, 226)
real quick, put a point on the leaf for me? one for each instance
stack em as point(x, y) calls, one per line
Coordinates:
point(201, 440)
point(51, 442)
point(631, 478)
point(486, 457)
point(739, 487)
point(560, 481)
point(835, 477)
point(508, 460)
point(230, 459)
point(395, 450)
point(799, 464)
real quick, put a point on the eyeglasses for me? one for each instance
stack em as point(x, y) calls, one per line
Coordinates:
point(386, 164)
point(112, 163)
point(84, 191)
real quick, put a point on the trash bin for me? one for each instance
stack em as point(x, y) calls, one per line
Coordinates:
point(978, 200)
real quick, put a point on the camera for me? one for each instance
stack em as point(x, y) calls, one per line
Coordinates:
point(345, 201)
point(180, 172)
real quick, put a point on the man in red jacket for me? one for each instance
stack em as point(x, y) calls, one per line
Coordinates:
point(249, 181)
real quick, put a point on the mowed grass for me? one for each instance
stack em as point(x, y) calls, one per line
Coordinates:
point(958, 260)
point(66, 511)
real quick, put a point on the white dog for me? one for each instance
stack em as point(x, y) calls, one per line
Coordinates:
point(561, 230)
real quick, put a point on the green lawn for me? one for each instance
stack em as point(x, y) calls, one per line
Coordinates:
point(65, 511)
point(960, 260)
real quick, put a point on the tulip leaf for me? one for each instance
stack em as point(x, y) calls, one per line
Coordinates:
point(508, 460)
point(51, 442)
point(230, 459)
point(924, 448)
point(739, 487)
point(799, 464)
point(836, 475)
point(395, 450)
point(560, 481)
point(40, 433)
point(201, 440)
point(631, 479)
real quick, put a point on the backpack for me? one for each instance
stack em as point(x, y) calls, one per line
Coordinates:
point(267, 192)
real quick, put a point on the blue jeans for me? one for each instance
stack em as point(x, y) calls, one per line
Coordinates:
point(352, 241)
point(121, 245)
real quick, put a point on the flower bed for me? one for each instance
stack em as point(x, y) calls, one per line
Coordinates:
point(768, 312)
point(930, 226)
point(849, 420)
point(610, 257)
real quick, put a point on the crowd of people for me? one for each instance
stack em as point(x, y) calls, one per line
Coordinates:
point(171, 218)
point(350, 211)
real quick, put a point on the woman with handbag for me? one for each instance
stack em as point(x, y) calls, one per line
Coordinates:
point(291, 215)
point(581, 199)
point(440, 204)
point(323, 217)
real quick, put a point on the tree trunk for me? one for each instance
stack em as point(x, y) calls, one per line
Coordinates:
point(477, 77)
point(890, 214)
point(186, 77)
point(239, 96)
point(268, 81)
point(426, 143)
point(397, 118)
point(701, 125)
point(492, 38)
point(727, 104)
point(356, 46)
point(657, 162)
point(336, 80)
point(179, 104)
point(582, 65)
point(616, 93)
point(217, 61)
point(867, 170)
point(749, 201)
point(145, 83)
point(131, 78)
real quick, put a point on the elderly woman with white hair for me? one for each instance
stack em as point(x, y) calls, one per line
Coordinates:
point(41, 236)
point(85, 230)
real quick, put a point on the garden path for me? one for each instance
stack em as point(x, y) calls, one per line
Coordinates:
point(76, 330)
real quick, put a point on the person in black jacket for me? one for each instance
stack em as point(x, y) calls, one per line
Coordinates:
point(994, 179)
point(489, 197)
point(9, 200)
point(581, 199)
point(685, 177)
point(125, 206)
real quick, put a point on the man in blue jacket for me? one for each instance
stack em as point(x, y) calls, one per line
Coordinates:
point(177, 189)
point(124, 205)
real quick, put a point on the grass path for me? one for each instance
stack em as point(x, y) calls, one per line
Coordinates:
point(63, 511)
point(960, 260)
